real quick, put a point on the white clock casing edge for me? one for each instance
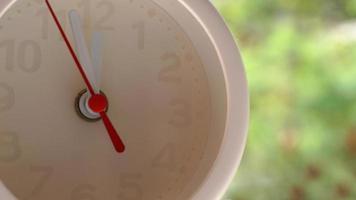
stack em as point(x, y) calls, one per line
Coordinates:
point(237, 121)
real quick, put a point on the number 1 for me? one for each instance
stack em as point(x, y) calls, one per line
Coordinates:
point(140, 27)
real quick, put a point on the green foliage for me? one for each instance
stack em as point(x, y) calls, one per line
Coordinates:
point(301, 67)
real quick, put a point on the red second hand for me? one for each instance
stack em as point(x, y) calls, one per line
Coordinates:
point(114, 136)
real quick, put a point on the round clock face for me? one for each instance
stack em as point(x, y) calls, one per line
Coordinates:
point(159, 94)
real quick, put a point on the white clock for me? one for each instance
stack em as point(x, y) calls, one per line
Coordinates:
point(119, 100)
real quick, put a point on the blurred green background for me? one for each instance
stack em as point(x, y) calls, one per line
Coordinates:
point(300, 58)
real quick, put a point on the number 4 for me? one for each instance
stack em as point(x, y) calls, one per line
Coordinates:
point(166, 158)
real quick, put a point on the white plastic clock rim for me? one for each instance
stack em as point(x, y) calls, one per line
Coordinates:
point(235, 137)
point(4, 5)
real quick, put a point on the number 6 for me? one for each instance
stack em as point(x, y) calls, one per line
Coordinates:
point(9, 147)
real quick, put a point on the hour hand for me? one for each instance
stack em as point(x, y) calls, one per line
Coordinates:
point(92, 71)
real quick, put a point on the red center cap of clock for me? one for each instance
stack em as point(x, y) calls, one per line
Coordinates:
point(98, 103)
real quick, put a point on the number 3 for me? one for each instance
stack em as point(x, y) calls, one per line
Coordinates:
point(182, 113)
point(171, 72)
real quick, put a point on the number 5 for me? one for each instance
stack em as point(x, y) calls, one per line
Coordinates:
point(130, 187)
